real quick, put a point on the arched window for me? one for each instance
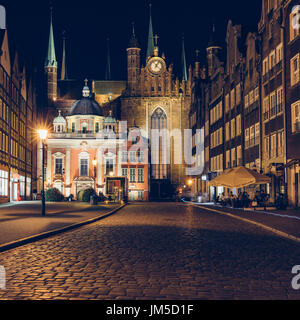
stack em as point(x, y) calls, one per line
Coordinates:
point(159, 121)
point(84, 127)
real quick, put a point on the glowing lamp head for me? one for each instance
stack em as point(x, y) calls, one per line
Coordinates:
point(43, 134)
point(190, 182)
point(111, 173)
point(94, 162)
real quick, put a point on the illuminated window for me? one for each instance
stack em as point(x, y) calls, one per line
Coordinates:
point(279, 100)
point(59, 166)
point(265, 66)
point(84, 167)
point(140, 175)
point(295, 70)
point(295, 109)
point(125, 172)
point(294, 23)
point(132, 176)
point(266, 108)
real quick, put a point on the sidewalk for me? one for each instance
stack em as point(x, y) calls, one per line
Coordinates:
point(23, 219)
point(287, 221)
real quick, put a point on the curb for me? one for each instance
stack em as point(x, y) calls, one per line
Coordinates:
point(48, 234)
point(258, 224)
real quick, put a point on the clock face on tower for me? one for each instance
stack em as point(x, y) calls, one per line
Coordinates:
point(156, 66)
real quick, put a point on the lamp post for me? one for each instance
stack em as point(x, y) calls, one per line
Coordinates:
point(181, 130)
point(43, 136)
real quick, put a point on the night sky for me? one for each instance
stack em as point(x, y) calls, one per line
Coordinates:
point(88, 23)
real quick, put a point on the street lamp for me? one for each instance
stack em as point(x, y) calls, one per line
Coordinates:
point(181, 130)
point(43, 136)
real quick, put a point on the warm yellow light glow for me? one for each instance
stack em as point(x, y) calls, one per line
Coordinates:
point(94, 162)
point(43, 134)
point(190, 182)
point(111, 173)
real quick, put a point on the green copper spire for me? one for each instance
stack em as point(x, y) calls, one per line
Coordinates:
point(51, 57)
point(184, 70)
point(150, 50)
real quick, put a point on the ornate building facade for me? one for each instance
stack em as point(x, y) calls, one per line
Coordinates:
point(87, 151)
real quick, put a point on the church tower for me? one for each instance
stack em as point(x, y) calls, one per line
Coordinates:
point(133, 64)
point(51, 66)
point(156, 100)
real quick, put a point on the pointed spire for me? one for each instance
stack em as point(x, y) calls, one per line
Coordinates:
point(64, 75)
point(197, 55)
point(213, 36)
point(150, 50)
point(51, 57)
point(133, 30)
point(184, 69)
point(108, 68)
point(133, 43)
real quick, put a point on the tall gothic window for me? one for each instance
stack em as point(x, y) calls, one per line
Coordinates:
point(159, 122)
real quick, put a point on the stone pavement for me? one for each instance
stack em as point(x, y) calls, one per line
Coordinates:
point(287, 221)
point(155, 251)
point(22, 220)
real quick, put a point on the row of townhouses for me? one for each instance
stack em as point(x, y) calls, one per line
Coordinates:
point(245, 108)
point(18, 172)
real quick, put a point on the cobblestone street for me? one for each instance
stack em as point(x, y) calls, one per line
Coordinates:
point(155, 251)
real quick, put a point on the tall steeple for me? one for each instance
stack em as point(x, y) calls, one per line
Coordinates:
point(133, 64)
point(212, 42)
point(213, 50)
point(150, 50)
point(51, 56)
point(108, 67)
point(133, 42)
point(64, 75)
point(183, 61)
point(51, 66)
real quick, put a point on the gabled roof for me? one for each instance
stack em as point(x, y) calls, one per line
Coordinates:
point(5, 57)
